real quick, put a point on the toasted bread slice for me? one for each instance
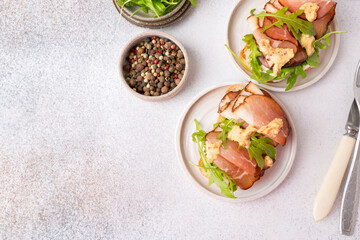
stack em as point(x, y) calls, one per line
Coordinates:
point(235, 87)
point(244, 57)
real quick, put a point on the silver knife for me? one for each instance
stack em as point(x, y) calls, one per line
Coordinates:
point(328, 191)
point(350, 198)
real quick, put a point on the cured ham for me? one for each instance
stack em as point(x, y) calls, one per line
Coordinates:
point(275, 32)
point(281, 34)
point(278, 33)
point(241, 178)
point(324, 5)
point(258, 110)
point(325, 14)
point(321, 24)
point(298, 59)
point(239, 158)
point(258, 35)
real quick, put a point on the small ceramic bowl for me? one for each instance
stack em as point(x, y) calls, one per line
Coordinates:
point(137, 40)
point(147, 20)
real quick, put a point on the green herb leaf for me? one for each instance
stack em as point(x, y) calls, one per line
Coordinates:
point(294, 72)
point(258, 73)
point(193, 2)
point(236, 56)
point(221, 179)
point(295, 24)
point(256, 153)
point(314, 59)
point(226, 126)
point(260, 146)
point(199, 135)
point(263, 143)
point(158, 7)
point(326, 38)
point(252, 11)
point(291, 73)
point(255, 53)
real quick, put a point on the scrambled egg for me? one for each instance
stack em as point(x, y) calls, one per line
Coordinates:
point(278, 56)
point(242, 136)
point(310, 10)
point(307, 42)
point(268, 161)
point(272, 128)
point(213, 150)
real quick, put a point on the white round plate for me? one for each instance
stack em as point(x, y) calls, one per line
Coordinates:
point(204, 109)
point(238, 28)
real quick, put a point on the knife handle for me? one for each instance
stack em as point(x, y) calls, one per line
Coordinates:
point(350, 197)
point(330, 186)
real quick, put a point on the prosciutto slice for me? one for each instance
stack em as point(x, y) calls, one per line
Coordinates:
point(241, 178)
point(321, 24)
point(278, 33)
point(298, 59)
point(239, 158)
point(259, 110)
point(255, 108)
point(325, 14)
point(324, 5)
point(258, 35)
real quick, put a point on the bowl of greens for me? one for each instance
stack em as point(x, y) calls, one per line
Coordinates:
point(153, 13)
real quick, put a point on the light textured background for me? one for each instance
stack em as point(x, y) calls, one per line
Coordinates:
point(81, 158)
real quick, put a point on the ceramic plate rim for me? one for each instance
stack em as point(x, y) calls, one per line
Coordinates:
point(181, 160)
point(279, 89)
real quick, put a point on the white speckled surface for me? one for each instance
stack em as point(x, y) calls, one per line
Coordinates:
point(81, 158)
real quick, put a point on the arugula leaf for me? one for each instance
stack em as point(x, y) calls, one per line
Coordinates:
point(314, 59)
point(259, 146)
point(255, 53)
point(252, 11)
point(258, 74)
point(326, 38)
point(158, 7)
point(294, 72)
point(295, 24)
point(221, 179)
point(199, 135)
point(193, 2)
point(291, 73)
point(236, 56)
point(226, 127)
point(263, 143)
point(256, 153)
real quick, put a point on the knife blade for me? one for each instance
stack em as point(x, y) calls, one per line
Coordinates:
point(328, 191)
point(350, 197)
